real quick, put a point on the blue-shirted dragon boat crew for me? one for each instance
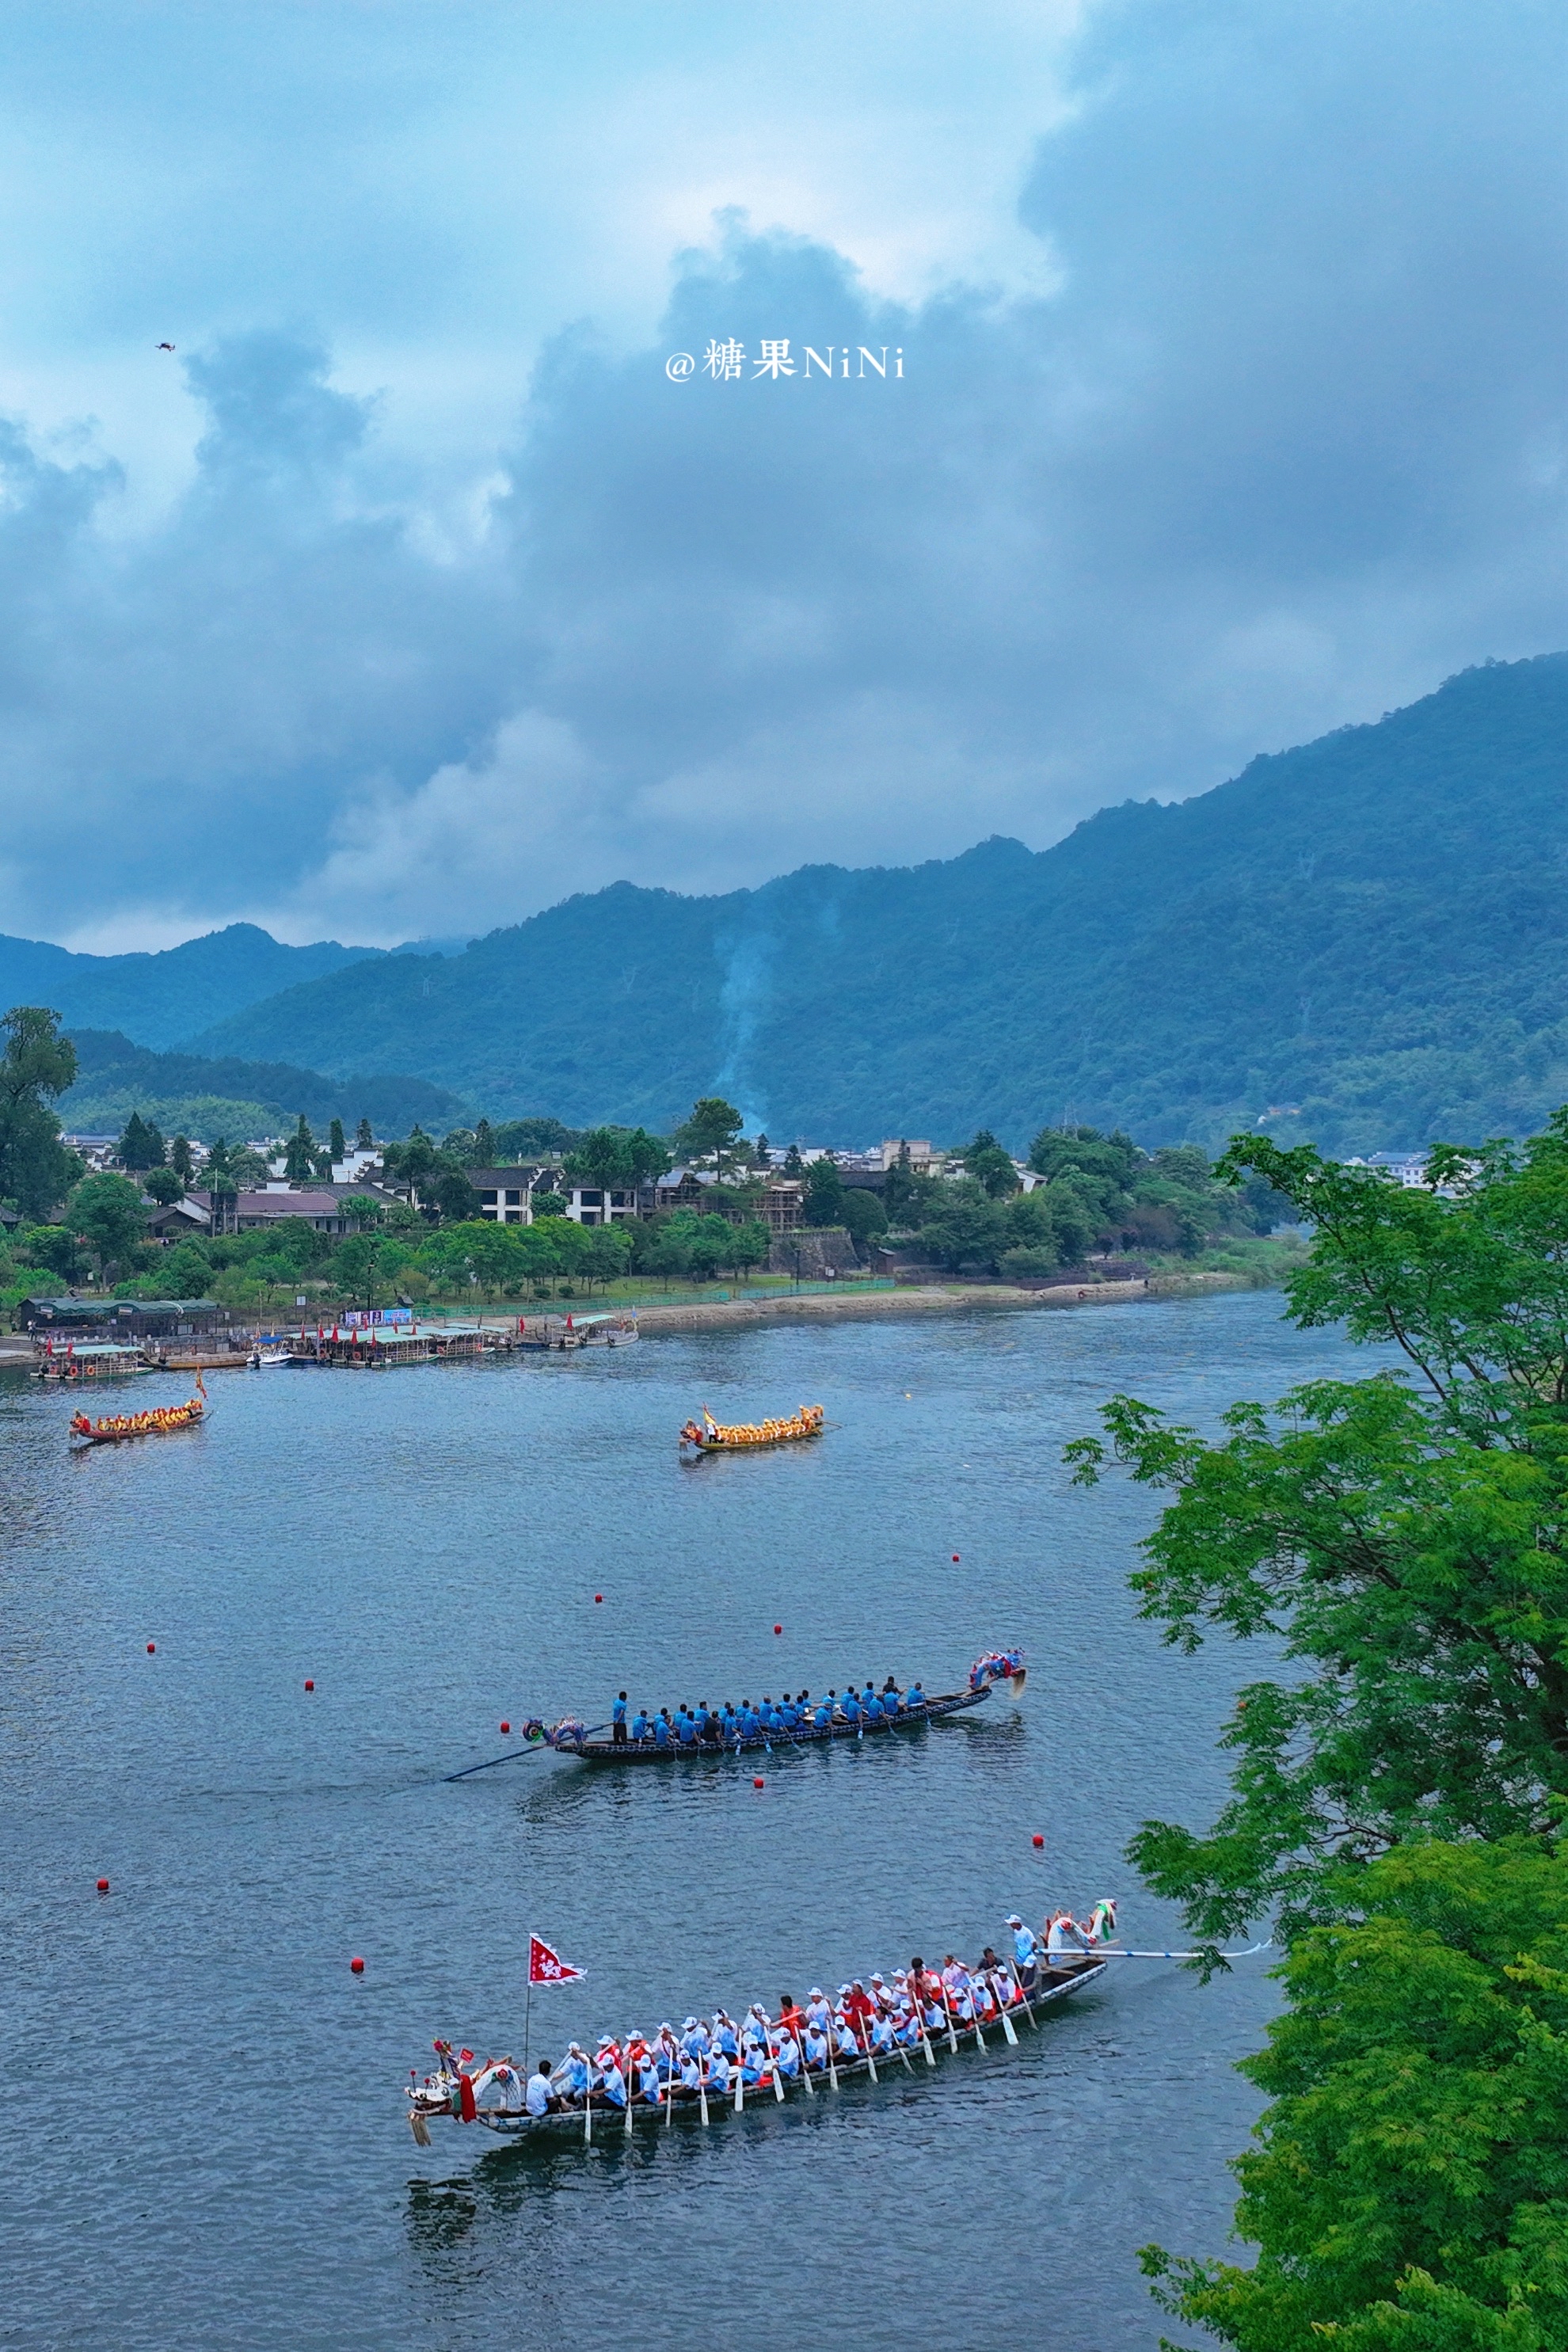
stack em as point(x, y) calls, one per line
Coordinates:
point(861, 1711)
point(714, 2063)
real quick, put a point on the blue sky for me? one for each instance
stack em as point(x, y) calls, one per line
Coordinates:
point(411, 593)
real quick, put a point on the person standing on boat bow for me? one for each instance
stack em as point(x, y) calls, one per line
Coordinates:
point(619, 1721)
point(1025, 1952)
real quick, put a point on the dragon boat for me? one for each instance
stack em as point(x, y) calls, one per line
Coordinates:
point(571, 1737)
point(710, 1436)
point(114, 1429)
point(492, 2095)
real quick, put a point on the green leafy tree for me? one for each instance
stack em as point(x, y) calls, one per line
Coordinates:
point(749, 1245)
point(991, 1167)
point(1403, 1540)
point(181, 1160)
point(299, 1158)
point(1031, 1224)
point(55, 1248)
point(454, 1196)
point(362, 1208)
point(484, 1145)
point(356, 1266)
point(337, 1143)
point(864, 1216)
point(141, 1147)
point(908, 1199)
point(709, 1130)
point(413, 1163)
point(531, 1139)
point(608, 1254)
point(794, 1165)
point(164, 1185)
point(217, 1174)
point(186, 1272)
point(824, 1192)
point(1409, 2188)
point(617, 1157)
point(969, 1233)
point(37, 1066)
point(363, 1139)
point(549, 1206)
point(110, 1215)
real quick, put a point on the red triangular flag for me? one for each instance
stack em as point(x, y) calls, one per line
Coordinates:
point(545, 1967)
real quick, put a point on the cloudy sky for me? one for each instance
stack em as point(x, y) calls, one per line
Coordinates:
point(420, 586)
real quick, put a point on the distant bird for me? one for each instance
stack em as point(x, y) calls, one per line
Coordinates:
point(165, 347)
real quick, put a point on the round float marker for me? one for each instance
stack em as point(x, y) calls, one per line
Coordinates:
point(598, 1597)
point(756, 1784)
point(310, 1685)
point(104, 1882)
point(506, 1728)
point(778, 1628)
point(151, 1647)
point(357, 1965)
point(1037, 1839)
point(955, 1560)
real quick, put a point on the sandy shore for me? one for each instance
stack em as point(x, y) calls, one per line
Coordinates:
point(921, 1299)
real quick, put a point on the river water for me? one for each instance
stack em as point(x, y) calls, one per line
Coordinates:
point(206, 2143)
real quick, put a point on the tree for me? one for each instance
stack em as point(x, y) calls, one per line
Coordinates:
point(614, 1157)
point(54, 1247)
point(356, 1263)
point(186, 1272)
point(164, 1185)
point(218, 1169)
point(1402, 1540)
point(484, 1145)
point(362, 1210)
point(991, 1167)
point(824, 1192)
point(363, 1140)
point(531, 1139)
point(300, 1159)
point(863, 1214)
point(141, 1147)
point(454, 1196)
point(181, 1160)
point(608, 1253)
point(794, 1164)
point(110, 1215)
point(750, 1242)
point(550, 1204)
point(337, 1143)
point(968, 1231)
point(1409, 2188)
point(708, 1129)
point(37, 1064)
point(762, 1155)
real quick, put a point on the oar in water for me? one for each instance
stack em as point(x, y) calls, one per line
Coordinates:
point(952, 2029)
point(535, 1748)
point(702, 2087)
point(1001, 2007)
point(627, 2071)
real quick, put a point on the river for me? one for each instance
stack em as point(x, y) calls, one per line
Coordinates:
point(207, 2145)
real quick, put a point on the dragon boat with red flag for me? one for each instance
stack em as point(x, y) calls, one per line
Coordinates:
point(160, 1421)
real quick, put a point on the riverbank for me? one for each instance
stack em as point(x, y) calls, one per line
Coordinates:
point(927, 1299)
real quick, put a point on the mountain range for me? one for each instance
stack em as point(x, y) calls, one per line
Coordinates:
point(1362, 940)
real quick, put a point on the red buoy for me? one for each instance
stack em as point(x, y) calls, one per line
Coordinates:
point(104, 1885)
point(598, 1597)
point(778, 1628)
point(955, 1560)
point(357, 1965)
point(151, 1647)
point(756, 1784)
point(310, 1685)
point(1037, 1839)
point(506, 1727)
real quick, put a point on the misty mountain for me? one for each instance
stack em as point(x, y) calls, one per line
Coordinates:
point(187, 1093)
point(1364, 939)
point(158, 999)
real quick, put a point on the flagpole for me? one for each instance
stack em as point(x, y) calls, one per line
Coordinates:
point(527, 2008)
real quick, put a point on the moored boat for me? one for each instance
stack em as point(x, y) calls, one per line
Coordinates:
point(710, 1436)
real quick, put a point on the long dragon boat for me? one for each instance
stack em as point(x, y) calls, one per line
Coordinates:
point(114, 1429)
point(571, 1737)
point(491, 2093)
point(710, 1436)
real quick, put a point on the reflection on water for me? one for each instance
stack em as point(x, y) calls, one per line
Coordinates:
point(426, 1548)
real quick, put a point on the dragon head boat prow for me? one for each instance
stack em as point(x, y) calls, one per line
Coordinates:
point(999, 1667)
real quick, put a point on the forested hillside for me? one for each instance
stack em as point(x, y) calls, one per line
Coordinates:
point(159, 998)
point(184, 1094)
point(1362, 940)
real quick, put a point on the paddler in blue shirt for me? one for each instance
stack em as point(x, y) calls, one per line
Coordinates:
point(824, 1714)
point(915, 1695)
point(612, 2082)
point(661, 1728)
point(685, 1729)
point(851, 1707)
point(1026, 1951)
point(619, 1721)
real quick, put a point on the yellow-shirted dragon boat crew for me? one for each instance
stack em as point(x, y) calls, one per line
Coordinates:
point(158, 1422)
point(710, 1436)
